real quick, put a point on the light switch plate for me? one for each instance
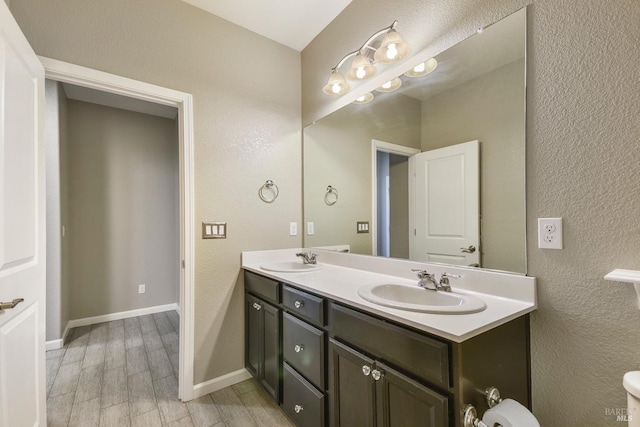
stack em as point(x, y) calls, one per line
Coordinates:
point(293, 229)
point(362, 226)
point(214, 230)
point(550, 233)
point(310, 228)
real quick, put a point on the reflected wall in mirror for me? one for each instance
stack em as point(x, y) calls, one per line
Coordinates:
point(457, 201)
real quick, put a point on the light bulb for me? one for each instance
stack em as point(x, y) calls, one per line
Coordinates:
point(360, 73)
point(419, 68)
point(387, 85)
point(335, 88)
point(392, 51)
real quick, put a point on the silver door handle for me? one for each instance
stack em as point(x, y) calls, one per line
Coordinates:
point(376, 374)
point(298, 408)
point(471, 249)
point(366, 370)
point(9, 305)
point(257, 306)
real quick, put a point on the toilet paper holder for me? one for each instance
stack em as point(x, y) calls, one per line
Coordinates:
point(470, 415)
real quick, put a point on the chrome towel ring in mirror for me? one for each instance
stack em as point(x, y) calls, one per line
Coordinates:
point(268, 192)
point(331, 196)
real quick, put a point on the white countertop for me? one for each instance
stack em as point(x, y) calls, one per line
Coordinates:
point(507, 296)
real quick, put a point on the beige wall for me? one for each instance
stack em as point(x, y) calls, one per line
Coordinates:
point(337, 152)
point(124, 214)
point(246, 92)
point(583, 164)
point(454, 117)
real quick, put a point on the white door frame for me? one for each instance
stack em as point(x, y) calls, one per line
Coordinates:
point(387, 147)
point(81, 76)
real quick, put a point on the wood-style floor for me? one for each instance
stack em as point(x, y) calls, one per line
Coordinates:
point(124, 373)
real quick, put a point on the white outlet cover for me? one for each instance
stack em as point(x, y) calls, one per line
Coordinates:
point(310, 228)
point(550, 233)
point(293, 229)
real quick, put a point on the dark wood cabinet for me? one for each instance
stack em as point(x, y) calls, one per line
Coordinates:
point(329, 363)
point(366, 392)
point(263, 331)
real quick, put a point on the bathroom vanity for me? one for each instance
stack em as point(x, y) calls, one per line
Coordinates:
point(330, 357)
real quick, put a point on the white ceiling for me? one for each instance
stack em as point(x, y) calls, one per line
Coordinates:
point(293, 23)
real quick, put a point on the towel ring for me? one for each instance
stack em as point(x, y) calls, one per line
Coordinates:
point(331, 196)
point(268, 187)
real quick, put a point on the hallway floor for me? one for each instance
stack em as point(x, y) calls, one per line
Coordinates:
point(124, 373)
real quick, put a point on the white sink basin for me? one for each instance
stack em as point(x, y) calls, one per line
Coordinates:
point(290, 267)
point(415, 298)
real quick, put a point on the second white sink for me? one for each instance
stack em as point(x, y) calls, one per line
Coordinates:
point(414, 298)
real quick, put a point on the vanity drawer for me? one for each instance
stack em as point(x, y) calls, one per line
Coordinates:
point(302, 402)
point(304, 304)
point(422, 356)
point(266, 288)
point(303, 348)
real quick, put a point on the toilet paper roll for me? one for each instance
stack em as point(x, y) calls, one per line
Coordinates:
point(509, 413)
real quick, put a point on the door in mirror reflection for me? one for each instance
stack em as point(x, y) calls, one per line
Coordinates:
point(446, 205)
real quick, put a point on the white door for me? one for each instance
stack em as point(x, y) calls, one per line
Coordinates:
point(22, 232)
point(447, 205)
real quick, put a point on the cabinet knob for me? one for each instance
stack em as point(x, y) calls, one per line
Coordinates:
point(298, 348)
point(376, 374)
point(298, 408)
point(257, 306)
point(366, 370)
point(298, 304)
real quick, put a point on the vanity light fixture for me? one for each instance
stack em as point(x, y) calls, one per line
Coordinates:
point(364, 99)
point(386, 46)
point(423, 68)
point(391, 85)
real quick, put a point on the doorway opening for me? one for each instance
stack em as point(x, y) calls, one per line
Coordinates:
point(391, 201)
point(166, 171)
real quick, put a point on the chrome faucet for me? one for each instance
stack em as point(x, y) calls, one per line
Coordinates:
point(427, 278)
point(307, 257)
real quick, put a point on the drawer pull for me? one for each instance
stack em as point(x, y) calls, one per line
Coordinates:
point(298, 408)
point(298, 304)
point(257, 306)
point(366, 370)
point(376, 374)
point(298, 348)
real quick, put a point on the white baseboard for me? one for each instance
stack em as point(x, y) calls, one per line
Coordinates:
point(219, 383)
point(54, 344)
point(59, 343)
point(121, 315)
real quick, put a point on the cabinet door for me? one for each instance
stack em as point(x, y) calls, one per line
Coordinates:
point(351, 388)
point(271, 355)
point(403, 402)
point(254, 336)
point(263, 355)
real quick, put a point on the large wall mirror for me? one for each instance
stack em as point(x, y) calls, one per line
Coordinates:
point(434, 170)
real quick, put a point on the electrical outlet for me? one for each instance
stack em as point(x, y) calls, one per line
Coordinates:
point(293, 229)
point(141, 289)
point(310, 229)
point(550, 233)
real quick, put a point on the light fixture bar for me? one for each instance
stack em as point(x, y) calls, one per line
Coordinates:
point(391, 49)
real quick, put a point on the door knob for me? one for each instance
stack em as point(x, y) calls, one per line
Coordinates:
point(298, 348)
point(9, 305)
point(471, 249)
point(298, 304)
point(366, 370)
point(298, 408)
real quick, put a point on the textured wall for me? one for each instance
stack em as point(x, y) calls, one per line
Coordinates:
point(124, 215)
point(246, 92)
point(583, 164)
point(489, 108)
